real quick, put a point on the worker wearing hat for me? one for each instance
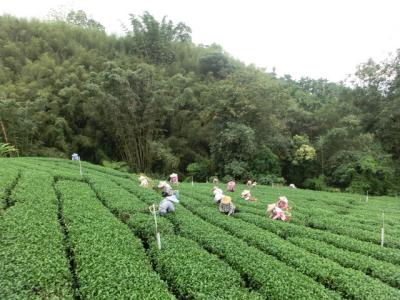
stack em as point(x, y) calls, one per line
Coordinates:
point(173, 178)
point(246, 195)
point(144, 181)
point(170, 197)
point(279, 210)
point(165, 187)
point(218, 194)
point(230, 187)
point(226, 206)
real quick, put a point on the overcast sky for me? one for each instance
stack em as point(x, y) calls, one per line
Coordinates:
point(314, 38)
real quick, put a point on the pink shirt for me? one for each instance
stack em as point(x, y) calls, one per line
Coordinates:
point(231, 185)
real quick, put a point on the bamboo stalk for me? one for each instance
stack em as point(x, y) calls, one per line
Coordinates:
point(4, 131)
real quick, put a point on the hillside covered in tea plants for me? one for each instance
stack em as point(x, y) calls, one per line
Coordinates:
point(70, 236)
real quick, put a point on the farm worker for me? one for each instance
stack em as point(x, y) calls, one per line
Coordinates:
point(254, 184)
point(215, 180)
point(218, 194)
point(292, 186)
point(249, 183)
point(166, 205)
point(231, 186)
point(166, 188)
point(144, 181)
point(75, 156)
point(279, 210)
point(246, 195)
point(173, 178)
point(226, 206)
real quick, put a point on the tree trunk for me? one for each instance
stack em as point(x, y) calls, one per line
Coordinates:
point(4, 131)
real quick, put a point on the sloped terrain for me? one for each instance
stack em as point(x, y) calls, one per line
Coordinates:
point(67, 236)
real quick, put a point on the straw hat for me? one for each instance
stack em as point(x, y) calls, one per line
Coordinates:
point(283, 198)
point(142, 177)
point(226, 200)
point(245, 192)
point(161, 184)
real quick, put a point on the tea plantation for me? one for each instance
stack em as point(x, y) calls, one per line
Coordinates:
point(67, 236)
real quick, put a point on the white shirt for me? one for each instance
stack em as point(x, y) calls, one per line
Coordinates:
point(218, 194)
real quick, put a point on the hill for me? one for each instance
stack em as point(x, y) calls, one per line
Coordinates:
point(160, 103)
point(63, 235)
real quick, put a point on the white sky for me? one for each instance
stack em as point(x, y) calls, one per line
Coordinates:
point(314, 38)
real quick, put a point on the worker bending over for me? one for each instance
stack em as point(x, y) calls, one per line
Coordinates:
point(279, 210)
point(218, 194)
point(246, 195)
point(144, 181)
point(230, 187)
point(170, 197)
point(226, 206)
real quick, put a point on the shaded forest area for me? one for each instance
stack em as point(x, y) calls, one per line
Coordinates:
point(156, 101)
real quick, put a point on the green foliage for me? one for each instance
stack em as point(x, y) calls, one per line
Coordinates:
point(32, 252)
point(378, 269)
point(80, 19)
point(215, 63)
point(233, 147)
point(330, 249)
point(7, 149)
point(265, 162)
point(199, 171)
point(303, 154)
point(195, 273)
point(157, 101)
point(111, 262)
point(270, 179)
point(348, 283)
point(152, 39)
point(361, 172)
point(318, 183)
point(238, 169)
point(116, 165)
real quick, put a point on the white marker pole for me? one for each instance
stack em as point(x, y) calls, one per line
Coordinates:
point(192, 180)
point(366, 198)
point(80, 166)
point(383, 229)
point(158, 237)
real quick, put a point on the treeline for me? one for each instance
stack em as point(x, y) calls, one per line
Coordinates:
point(160, 103)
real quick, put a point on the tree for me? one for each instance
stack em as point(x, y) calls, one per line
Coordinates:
point(233, 148)
point(152, 40)
point(215, 63)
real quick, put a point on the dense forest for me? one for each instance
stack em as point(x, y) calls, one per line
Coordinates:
point(154, 100)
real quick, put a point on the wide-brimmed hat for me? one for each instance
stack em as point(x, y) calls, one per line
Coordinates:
point(162, 184)
point(283, 198)
point(142, 177)
point(173, 175)
point(245, 192)
point(226, 200)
